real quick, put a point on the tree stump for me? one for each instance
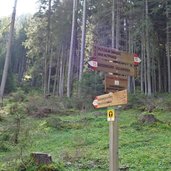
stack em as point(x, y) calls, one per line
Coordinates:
point(41, 158)
point(124, 169)
point(148, 119)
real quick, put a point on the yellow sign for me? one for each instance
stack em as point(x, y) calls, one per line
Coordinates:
point(110, 115)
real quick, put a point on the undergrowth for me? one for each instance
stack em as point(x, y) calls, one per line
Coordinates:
point(79, 140)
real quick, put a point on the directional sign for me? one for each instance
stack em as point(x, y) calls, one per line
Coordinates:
point(112, 54)
point(95, 103)
point(116, 68)
point(103, 100)
point(93, 64)
point(137, 60)
point(114, 83)
point(110, 115)
point(111, 99)
point(113, 61)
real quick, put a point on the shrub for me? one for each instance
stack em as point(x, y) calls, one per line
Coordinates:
point(30, 166)
point(4, 147)
point(54, 122)
point(18, 96)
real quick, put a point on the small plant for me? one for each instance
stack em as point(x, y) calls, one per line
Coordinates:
point(31, 166)
point(18, 96)
point(4, 147)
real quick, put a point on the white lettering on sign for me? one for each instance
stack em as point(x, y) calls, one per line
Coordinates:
point(116, 82)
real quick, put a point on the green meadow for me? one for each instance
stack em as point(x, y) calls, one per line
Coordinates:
point(80, 141)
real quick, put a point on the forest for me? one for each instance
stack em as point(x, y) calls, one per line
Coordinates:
point(47, 85)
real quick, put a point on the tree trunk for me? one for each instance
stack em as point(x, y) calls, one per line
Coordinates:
point(167, 47)
point(113, 23)
point(130, 42)
point(165, 81)
point(145, 74)
point(69, 78)
point(8, 54)
point(159, 76)
point(56, 74)
point(148, 51)
point(83, 41)
point(61, 74)
point(55, 82)
point(118, 24)
point(47, 52)
point(142, 66)
point(50, 71)
point(153, 76)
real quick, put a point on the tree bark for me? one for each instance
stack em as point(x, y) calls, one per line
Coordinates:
point(113, 23)
point(145, 74)
point(142, 66)
point(50, 71)
point(148, 51)
point(118, 24)
point(69, 78)
point(159, 76)
point(8, 54)
point(48, 53)
point(61, 74)
point(83, 41)
point(167, 47)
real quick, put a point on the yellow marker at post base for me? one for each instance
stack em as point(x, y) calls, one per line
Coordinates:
point(110, 115)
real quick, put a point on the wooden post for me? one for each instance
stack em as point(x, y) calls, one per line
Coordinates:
point(113, 144)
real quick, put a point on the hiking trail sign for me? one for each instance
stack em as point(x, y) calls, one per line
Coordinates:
point(110, 115)
point(118, 66)
point(111, 99)
point(93, 64)
point(115, 83)
point(137, 60)
point(112, 61)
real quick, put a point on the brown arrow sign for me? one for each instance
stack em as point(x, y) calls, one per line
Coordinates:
point(111, 99)
point(113, 55)
point(112, 61)
point(115, 83)
point(109, 66)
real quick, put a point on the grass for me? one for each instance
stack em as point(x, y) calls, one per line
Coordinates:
point(80, 141)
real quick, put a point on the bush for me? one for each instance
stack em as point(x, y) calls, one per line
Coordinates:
point(11, 83)
point(18, 96)
point(38, 102)
point(30, 166)
point(154, 103)
point(89, 87)
point(54, 123)
point(4, 147)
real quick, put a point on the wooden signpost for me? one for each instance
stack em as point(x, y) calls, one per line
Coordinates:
point(118, 66)
point(109, 100)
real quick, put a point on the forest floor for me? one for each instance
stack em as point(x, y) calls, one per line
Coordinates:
point(80, 141)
